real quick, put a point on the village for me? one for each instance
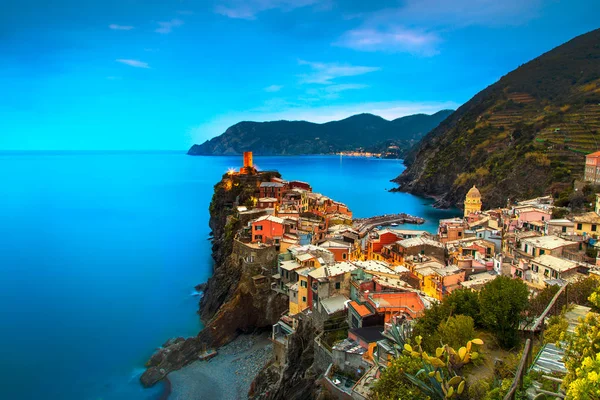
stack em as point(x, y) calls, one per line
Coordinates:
point(355, 279)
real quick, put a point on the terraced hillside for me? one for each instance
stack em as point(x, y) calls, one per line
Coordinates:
point(525, 135)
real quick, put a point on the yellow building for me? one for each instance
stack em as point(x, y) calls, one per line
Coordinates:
point(472, 201)
point(587, 224)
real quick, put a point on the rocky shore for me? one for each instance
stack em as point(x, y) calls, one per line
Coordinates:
point(226, 376)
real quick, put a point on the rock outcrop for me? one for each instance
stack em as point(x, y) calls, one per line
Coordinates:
point(297, 379)
point(234, 300)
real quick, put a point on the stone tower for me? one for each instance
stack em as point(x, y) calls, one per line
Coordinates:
point(248, 159)
point(472, 201)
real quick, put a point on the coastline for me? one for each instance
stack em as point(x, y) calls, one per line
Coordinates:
point(228, 375)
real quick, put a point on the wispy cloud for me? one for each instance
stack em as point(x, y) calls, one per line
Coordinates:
point(388, 30)
point(167, 26)
point(248, 9)
point(133, 63)
point(325, 73)
point(273, 88)
point(390, 39)
point(120, 27)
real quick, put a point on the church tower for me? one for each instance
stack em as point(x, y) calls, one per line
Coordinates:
point(472, 201)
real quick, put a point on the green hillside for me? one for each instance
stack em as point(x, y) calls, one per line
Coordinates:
point(364, 131)
point(525, 135)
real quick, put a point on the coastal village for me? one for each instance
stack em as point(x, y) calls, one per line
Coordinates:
point(357, 278)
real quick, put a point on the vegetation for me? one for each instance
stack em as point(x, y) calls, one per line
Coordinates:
point(365, 131)
point(524, 136)
point(503, 302)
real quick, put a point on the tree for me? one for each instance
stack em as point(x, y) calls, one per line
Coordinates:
point(457, 330)
point(502, 302)
point(463, 302)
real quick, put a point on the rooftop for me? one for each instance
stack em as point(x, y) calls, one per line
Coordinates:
point(360, 309)
point(588, 218)
point(334, 304)
point(332, 270)
point(419, 241)
point(374, 266)
point(557, 264)
point(270, 218)
point(369, 334)
point(548, 242)
point(272, 184)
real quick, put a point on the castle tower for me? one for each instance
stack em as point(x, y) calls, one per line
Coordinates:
point(472, 201)
point(248, 159)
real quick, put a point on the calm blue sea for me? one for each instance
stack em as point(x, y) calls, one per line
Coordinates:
point(99, 254)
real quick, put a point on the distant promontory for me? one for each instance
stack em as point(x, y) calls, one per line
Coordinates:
point(363, 132)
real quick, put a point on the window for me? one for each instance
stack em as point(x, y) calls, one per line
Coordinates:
point(344, 256)
point(459, 234)
point(542, 218)
point(338, 285)
point(579, 227)
point(304, 284)
point(564, 229)
point(546, 272)
point(593, 228)
point(542, 251)
point(258, 227)
point(535, 268)
point(304, 299)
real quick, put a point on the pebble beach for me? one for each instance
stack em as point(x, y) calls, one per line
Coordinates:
point(226, 376)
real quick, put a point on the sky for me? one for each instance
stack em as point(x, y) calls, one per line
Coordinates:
point(164, 74)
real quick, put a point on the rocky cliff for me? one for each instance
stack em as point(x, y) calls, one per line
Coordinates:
point(234, 300)
point(366, 131)
point(524, 136)
point(297, 379)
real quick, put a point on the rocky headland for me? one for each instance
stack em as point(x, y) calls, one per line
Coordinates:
point(233, 302)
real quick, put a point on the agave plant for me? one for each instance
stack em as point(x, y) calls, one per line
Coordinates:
point(442, 380)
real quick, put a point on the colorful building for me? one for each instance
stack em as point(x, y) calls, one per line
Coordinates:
point(472, 201)
point(267, 228)
point(592, 168)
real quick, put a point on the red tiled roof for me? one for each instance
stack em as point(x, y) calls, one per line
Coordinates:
point(596, 154)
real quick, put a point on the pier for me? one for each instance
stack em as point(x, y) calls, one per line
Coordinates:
point(364, 225)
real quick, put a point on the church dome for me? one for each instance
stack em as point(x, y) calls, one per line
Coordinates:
point(473, 193)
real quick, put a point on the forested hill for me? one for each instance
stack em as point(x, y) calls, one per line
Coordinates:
point(523, 136)
point(366, 131)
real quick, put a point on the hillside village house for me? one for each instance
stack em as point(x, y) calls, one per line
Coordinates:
point(267, 228)
point(552, 245)
point(592, 168)
point(272, 189)
point(540, 270)
point(560, 227)
point(587, 224)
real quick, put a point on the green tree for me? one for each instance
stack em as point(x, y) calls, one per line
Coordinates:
point(457, 330)
point(502, 302)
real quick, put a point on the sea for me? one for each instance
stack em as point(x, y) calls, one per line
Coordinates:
point(100, 253)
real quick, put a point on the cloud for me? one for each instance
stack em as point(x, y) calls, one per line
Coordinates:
point(167, 27)
point(120, 27)
point(133, 63)
point(325, 73)
point(248, 9)
point(417, 26)
point(390, 39)
point(273, 88)
point(330, 92)
point(274, 110)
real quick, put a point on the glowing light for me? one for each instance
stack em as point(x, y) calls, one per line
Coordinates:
point(231, 171)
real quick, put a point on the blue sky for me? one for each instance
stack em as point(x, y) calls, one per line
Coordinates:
point(126, 74)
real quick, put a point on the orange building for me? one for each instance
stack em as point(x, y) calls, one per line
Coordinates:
point(267, 228)
point(376, 242)
point(592, 168)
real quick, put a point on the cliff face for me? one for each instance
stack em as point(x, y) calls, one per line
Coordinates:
point(366, 131)
point(233, 301)
point(297, 380)
point(524, 136)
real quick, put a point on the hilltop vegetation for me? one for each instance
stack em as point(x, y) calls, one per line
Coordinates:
point(365, 131)
point(525, 135)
